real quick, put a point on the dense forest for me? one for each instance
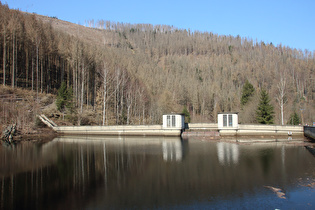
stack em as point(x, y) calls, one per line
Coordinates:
point(121, 73)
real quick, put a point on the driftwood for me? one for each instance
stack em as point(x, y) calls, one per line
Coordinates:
point(46, 121)
point(278, 192)
point(8, 133)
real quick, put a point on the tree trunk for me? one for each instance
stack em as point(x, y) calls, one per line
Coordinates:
point(82, 88)
point(13, 66)
point(41, 76)
point(68, 74)
point(117, 94)
point(77, 81)
point(37, 67)
point(281, 107)
point(281, 97)
point(32, 74)
point(105, 93)
point(128, 113)
point(143, 114)
point(27, 69)
point(16, 62)
point(74, 81)
point(87, 88)
point(129, 103)
point(4, 54)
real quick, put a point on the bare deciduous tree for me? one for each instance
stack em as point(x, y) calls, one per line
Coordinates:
point(281, 96)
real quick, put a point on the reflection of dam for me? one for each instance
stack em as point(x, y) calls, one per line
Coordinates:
point(171, 147)
point(172, 150)
point(227, 153)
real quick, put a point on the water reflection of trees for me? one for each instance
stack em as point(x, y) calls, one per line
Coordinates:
point(25, 156)
point(33, 175)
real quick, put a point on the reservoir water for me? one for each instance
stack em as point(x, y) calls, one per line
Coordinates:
point(155, 173)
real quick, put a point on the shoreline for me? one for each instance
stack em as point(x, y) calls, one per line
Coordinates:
point(40, 135)
point(45, 134)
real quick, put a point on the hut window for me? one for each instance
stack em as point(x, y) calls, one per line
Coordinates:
point(168, 121)
point(173, 121)
point(224, 120)
point(230, 120)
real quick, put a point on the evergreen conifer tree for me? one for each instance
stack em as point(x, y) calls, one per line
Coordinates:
point(264, 113)
point(186, 114)
point(247, 92)
point(64, 98)
point(69, 100)
point(294, 119)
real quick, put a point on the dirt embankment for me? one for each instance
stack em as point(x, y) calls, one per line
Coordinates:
point(19, 107)
point(42, 135)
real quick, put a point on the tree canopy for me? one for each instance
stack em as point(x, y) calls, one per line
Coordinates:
point(247, 92)
point(138, 72)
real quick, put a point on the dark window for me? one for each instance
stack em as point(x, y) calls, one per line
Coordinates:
point(173, 121)
point(168, 121)
point(230, 120)
point(224, 120)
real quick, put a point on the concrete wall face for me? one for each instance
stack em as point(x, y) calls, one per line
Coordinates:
point(227, 121)
point(309, 132)
point(173, 121)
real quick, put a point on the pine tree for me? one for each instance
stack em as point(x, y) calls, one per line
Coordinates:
point(294, 119)
point(247, 92)
point(62, 97)
point(69, 100)
point(264, 113)
point(65, 98)
point(186, 114)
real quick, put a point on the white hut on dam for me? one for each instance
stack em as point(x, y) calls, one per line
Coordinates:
point(228, 120)
point(174, 121)
point(173, 125)
point(227, 123)
point(228, 126)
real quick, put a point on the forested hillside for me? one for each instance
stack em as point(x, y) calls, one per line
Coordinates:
point(123, 73)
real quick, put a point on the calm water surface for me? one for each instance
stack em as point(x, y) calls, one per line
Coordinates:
point(155, 173)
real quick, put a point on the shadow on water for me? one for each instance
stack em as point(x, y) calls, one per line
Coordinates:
point(311, 149)
point(141, 172)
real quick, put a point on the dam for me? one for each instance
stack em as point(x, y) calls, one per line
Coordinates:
point(174, 125)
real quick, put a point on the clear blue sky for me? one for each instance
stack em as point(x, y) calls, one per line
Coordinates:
point(289, 22)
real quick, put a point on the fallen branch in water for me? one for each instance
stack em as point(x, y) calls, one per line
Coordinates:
point(312, 185)
point(278, 192)
point(8, 133)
